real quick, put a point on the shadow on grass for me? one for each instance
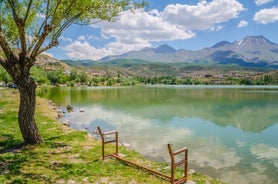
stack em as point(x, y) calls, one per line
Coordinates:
point(11, 164)
point(9, 144)
point(12, 169)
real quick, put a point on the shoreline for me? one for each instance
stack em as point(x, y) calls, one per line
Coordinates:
point(67, 155)
point(66, 122)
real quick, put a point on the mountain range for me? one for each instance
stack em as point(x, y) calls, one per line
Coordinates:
point(251, 51)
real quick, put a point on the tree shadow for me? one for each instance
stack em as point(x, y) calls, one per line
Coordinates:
point(10, 164)
point(9, 144)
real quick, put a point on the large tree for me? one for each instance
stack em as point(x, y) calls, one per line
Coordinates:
point(29, 28)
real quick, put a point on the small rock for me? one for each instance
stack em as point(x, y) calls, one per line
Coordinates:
point(59, 114)
point(69, 107)
point(86, 179)
point(125, 145)
point(191, 171)
point(71, 182)
point(66, 122)
point(55, 162)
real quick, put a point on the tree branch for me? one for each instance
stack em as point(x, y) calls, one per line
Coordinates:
point(5, 46)
point(54, 43)
point(2, 62)
point(52, 26)
point(47, 28)
point(34, 41)
point(28, 10)
point(20, 23)
point(55, 37)
point(41, 39)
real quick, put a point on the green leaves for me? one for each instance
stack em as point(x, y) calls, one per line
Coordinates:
point(34, 26)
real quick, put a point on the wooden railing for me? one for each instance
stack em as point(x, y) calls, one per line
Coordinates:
point(172, 154)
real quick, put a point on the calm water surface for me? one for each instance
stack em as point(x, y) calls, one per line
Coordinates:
point(231, 132)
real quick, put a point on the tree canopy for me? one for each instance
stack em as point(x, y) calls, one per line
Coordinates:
point(34, 26)
point(30, 27)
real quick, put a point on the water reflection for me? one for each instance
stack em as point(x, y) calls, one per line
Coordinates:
point(243, 108)
point(213, 150)
point(230, 132)
point(266, 152)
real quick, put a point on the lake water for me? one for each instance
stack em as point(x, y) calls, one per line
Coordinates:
point(231, 131)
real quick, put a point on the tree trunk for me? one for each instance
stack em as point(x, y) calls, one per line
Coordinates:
point(26, 119)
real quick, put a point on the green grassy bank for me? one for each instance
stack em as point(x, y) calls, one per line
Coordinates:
point(67, 155)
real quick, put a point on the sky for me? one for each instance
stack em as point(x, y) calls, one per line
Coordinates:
point(182, 24)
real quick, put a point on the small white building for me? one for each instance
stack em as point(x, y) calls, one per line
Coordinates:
point(2, 84)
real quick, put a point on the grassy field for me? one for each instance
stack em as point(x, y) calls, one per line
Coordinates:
point(67, 155)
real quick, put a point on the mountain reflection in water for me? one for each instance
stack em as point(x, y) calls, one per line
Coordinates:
point(230, 131)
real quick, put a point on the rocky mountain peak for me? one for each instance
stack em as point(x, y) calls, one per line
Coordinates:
point(164, 49)
point(251, 49)
point(254, 42)
point(220, 44)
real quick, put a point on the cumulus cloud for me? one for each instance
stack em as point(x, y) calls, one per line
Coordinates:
point(264, 151)
point(96, 115)
point(242, 23)
point(229, 158)
point(136, 30)
point(261, 2)
point(216, 28)
point(202, 16)
point(265, 16)
point(82, 37)
point(228, 176)
point(83, 50)
point(140, 27)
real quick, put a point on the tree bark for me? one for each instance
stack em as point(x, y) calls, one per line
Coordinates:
point(26, 118)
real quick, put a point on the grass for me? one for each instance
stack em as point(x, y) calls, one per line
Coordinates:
point(67, 155)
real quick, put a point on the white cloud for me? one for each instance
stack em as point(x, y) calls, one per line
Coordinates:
point(242, 23)
point(202, 16)
point(136, 30)
point(209, 156)
point(96, 115)
point(83, 50)
point(261, 2)
point(265, 16)
point(140, 27)
point(216, 28)
point(264, 151)
point(229, 175)
point(81, 38)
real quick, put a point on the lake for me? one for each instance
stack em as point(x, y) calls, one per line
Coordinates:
point(231, 131)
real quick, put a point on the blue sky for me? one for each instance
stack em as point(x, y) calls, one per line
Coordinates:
point(182, 24)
